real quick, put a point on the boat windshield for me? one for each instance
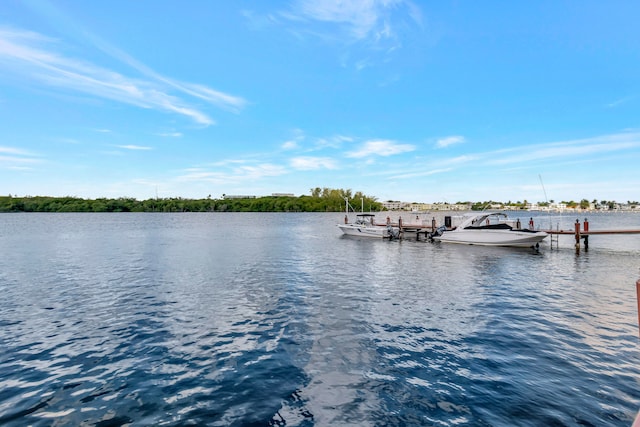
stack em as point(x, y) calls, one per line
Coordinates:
point(493, 220)
point(365, 219)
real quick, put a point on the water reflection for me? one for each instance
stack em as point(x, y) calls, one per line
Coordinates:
point(241, 319)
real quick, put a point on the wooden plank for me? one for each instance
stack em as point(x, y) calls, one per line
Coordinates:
point(586, 233)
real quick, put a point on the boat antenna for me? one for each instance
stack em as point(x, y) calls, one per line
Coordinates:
point(546, 200)
point(545, 191)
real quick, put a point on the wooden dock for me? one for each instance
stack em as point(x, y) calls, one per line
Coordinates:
point(583, 233)
point(580, 231)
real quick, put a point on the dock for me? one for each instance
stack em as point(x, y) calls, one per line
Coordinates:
point(583, 233)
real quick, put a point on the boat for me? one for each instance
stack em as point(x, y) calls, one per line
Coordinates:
point(490, 229)
point(365, 226)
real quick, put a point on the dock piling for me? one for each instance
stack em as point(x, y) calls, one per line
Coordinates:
point(638, 298)
point(586, 234)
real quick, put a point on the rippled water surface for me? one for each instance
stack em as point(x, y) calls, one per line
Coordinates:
point(276, 319)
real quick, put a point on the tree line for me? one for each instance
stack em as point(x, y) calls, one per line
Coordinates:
point(320, 200)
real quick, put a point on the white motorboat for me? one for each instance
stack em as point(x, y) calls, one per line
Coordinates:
point(365, 226)
point(490, 229)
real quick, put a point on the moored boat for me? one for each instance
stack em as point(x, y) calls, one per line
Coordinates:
point(490, 229)
point(365, 226)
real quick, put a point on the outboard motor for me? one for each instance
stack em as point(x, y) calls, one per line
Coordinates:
point(437, 232)
point(394, 233)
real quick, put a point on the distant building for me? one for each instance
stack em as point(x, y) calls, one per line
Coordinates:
point(282, 195)
point(232, 196)
point(393, 206)
point(424, 207)
point(560, 207)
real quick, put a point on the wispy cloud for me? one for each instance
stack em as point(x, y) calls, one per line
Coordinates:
point(619, 102)
point(532, 156)
point(15, 151)
point(289, 145)
point(571, 150)
point(170, 134)
point(449, 140)
point(39, 59)
point(243, 173)
point(134, 147)
point(335, 141)
point(196, 174)
point(367, 31)
point(17, 159)
point(313, 163)
point(370, 20)
point(420, 174)
point(380, 148)
point(261, 171)
point(297, 137)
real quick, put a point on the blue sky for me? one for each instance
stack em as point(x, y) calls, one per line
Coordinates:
point(403, 100)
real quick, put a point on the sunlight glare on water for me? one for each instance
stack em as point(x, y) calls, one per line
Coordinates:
point(277, 319)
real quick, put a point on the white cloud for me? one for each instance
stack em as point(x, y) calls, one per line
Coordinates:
point(9, 160)
point(260, 171)
point(449, 140)
point(335, 141)
point(571, 150)
point(537, 156)
point(171, 134)
point(16, 158)
point(245, 173)
point(420, 174)
point(32, 56)
point(196, 174)
point(380, 148)
point(619, 102)
point(13, 150)
point(312, 163)
point(289, 145)
point(360, 19)
point(134, 147)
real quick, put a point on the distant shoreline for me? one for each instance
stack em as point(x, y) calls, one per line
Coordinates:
point(331, 202)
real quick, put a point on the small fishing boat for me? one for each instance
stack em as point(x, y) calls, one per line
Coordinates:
point(365, 226)
point(490, 229)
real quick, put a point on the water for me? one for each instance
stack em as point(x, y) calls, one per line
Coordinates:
point(275, 319)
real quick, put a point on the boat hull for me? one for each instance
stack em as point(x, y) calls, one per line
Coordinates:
point(511, 238)
point(364, 231)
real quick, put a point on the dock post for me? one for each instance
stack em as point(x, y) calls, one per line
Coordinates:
point(586, 236)
point(638, 298)
point(400, 229)
point(577, 231)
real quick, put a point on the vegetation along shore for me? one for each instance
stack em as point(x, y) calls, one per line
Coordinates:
point(320, 200)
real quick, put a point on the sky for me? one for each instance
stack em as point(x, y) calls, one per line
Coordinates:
point(415, 101)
